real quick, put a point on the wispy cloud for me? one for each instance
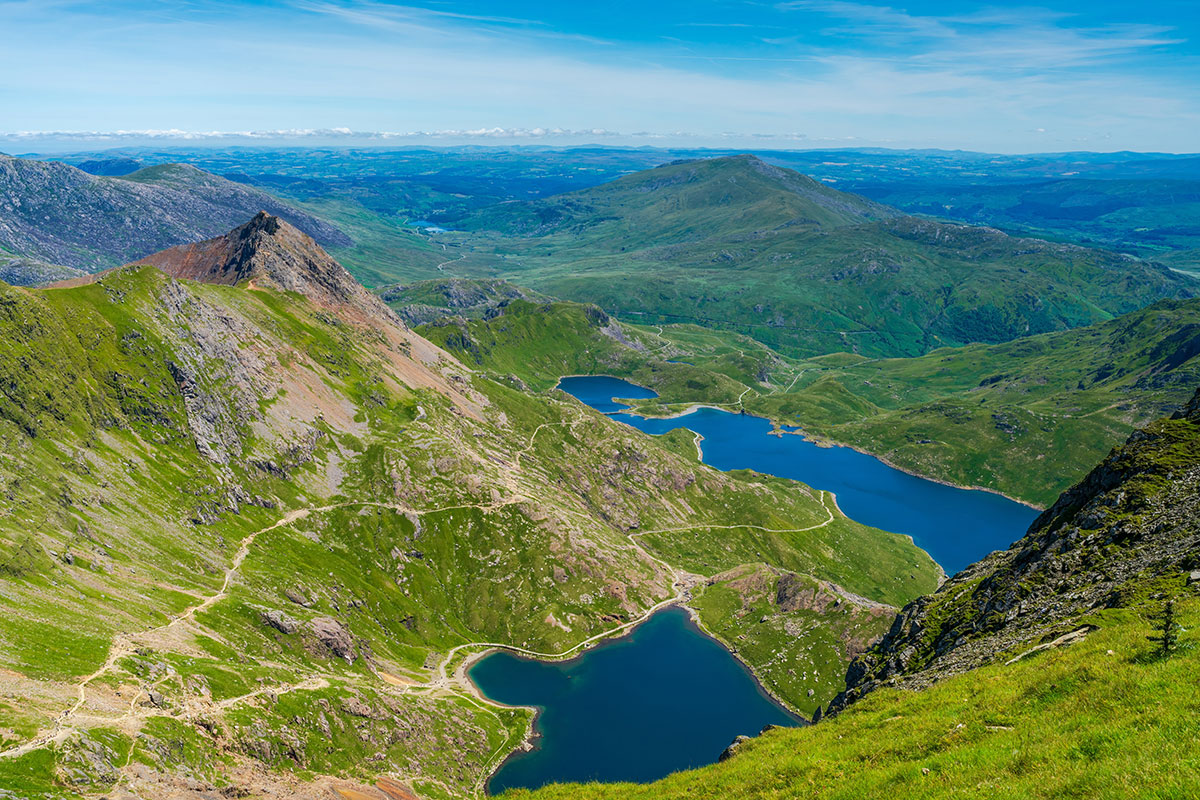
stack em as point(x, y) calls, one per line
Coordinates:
point(985, 78)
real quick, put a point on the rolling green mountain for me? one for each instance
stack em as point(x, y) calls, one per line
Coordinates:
point(53, 212)
point(1027, 675)
point(1025, 417)
point(251, 525)
point(736, 244)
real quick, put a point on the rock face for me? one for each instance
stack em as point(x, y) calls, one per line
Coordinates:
point(429, 301)
point(266, 251)
point(280, 621)
point(1134, 518)
point(28, 272)
point(55, 213)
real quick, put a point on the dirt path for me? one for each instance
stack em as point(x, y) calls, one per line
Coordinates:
point(442, 266)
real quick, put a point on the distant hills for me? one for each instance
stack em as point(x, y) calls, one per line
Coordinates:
point(737, 244)
point(58, 214)
point(1148, 216)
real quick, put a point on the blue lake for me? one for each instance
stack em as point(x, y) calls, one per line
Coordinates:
point(664, 698)
point(955, 526)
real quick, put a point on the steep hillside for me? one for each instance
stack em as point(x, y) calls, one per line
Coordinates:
point(30, 272)
point(734, 244)
point(56, 213)
point(1033, 672)
point(1126, 531)
point(250, 528)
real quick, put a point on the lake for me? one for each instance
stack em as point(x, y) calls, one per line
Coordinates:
point(667, 697)
point(955, 526)
point(663, 698)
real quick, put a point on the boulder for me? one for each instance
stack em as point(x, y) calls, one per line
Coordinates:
point(731, 751)
point(280, 621)
point(334, 635)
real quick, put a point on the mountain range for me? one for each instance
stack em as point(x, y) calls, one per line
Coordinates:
point(256, 520)
point(737, 244)
point(251, 523)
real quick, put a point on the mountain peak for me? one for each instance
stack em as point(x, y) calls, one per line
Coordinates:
point(268, 252)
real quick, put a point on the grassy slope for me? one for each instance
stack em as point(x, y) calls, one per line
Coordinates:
point(731, 244)
point(1026, 417)
point(1097, 720)
point(103, 467)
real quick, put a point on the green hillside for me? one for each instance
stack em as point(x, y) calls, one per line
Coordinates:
point(247, 535)
point(734, 244)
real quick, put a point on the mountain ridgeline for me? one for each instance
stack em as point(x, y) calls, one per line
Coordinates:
point(737, 244)
point(251, 525)
point(1126, 532)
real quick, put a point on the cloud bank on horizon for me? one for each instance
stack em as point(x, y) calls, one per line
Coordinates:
point(1062, 75)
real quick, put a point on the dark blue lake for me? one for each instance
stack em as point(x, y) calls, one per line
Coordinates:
point(955, 526)
point(664, 698)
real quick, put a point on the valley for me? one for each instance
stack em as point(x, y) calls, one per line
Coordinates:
point(264, 531)
point(274, 531)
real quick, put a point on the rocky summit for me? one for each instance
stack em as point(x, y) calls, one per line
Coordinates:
point(268, 252)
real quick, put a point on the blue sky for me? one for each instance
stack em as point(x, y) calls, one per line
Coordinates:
point(1098, 75)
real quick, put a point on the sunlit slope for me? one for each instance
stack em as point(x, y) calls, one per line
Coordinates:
point(248, 526)
point(1033, 673)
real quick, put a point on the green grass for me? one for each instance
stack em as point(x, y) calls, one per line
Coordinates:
point(798, 653)
point(114, 520)
point(1026, 418)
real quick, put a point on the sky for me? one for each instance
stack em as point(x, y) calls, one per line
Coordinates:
point(1054, 76)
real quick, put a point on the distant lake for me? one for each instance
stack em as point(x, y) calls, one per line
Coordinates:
point(431, 227)
point(955, 526)
point(663, 698)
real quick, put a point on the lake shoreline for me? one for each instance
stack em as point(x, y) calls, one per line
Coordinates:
point(819, 441)
point(532, 734)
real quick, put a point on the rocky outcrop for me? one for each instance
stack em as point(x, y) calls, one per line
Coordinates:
point(280, 621)
point(730, 751)
point(1134, 518)
point(430, 301)
point(266, 251)
point(335, 637)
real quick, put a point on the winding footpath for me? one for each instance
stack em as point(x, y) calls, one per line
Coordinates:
point(125, 644)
